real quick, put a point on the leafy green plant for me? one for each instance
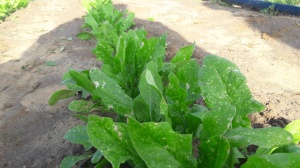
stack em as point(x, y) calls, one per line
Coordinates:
point(9, 6)
point(156, 117)
point(270, 10)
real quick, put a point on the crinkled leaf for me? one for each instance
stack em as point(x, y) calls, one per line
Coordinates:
point(214, 152)
point(278, 160)
point(184, 54)
point(96, 157)
point(79, 135)
point(151, 90)
point(104, 52)
point(263, 137)
point(159, 146)
point(61, 94)
point(218, 120)
point(294, 129)
point(80, 106)
point(222, 82)
point(112, 94)
point(70, 161)
point(112, 140)
point(84, 36)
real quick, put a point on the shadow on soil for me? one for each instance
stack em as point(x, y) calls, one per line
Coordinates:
point(31, 132)
point(282, 28)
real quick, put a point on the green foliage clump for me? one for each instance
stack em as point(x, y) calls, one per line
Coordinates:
point(9, 6)
point(156, 117)
point(289, 2)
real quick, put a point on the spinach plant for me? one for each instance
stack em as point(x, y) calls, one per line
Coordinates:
point(156, 114)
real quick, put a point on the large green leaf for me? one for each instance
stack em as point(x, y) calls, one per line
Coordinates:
point(263, 137)
point(80, 106)
point(61, 94)
point(151, 90)
point(278, 160)
point(159, 146)
point(294, 129)
point(222, 82)
point(188, 77)
point(111, 93)
point(70, 161)
point(218, 120)
point(79, 135)
point(214, 152)
point(176, 98)
point(112, 140)
point(184, 54)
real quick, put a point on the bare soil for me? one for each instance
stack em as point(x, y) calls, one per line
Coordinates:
point(266, 48)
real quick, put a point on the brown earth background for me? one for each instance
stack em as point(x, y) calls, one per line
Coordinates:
point(266, 48)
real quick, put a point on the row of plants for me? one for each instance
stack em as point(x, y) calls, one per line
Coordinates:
point(9, 6)
point(155, 115)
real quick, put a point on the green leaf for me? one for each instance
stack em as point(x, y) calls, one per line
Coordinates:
point(96, 157)
point(278, 160)
point(112, 140)
point(141, 109)
point(188, 77)
point(151, 19)
point(176, 98)
point(113, 96)
point(159, 146)
point(84, 36)
point(82, 81)
point(263, 137)
point(222, 82)
point(194, 118)
point(70, 83)
point(61, 94)
point(184, 54)
point(50, 63)
point(81, 117)
point(294, 129)
point(78, 135)
point(214, 152)
point(288, 149)
point(70, 161)
point(151, 90)
point(218, 120)
point(257, 162)
point(80, 106)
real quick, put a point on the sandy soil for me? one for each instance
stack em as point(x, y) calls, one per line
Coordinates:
point(266, 48)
